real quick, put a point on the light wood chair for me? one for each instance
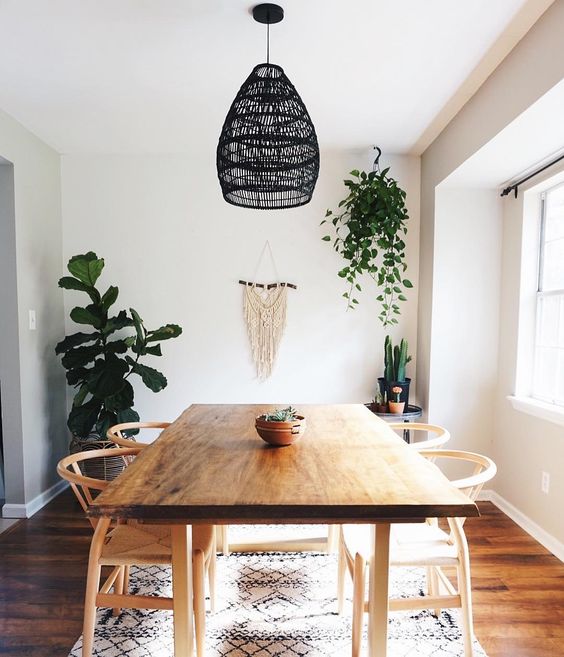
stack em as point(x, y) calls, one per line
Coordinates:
point(129, 543)
point(328, 543)
point(440, 434)
point(116, 433)
point(424, 544)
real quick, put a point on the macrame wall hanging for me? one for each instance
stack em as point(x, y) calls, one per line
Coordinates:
point(264, 306)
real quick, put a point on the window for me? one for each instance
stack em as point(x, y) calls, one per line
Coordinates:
point(548, 370)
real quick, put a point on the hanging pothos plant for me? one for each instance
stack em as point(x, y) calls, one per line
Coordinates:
point(369, 231)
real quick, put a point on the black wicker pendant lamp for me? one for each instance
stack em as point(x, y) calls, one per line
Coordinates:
point(267, 155)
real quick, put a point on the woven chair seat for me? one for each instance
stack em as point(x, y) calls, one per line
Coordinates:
point(148, 544)
point(411, 544)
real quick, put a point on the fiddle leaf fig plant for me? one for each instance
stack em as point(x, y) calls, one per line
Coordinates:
point(369, 229)
point(100, 362)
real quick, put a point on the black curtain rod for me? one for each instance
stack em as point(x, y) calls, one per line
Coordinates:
point(515, 186)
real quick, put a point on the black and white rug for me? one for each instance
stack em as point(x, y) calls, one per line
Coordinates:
point(275, 605)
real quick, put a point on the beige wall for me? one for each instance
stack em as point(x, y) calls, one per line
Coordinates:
point(522, 445)
point(465, 328)
point(534, 66)
point(37, 434)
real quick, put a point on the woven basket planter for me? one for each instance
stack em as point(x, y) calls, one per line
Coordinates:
point(103, 468)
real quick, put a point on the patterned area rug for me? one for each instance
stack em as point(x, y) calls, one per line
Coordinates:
point(275, 604)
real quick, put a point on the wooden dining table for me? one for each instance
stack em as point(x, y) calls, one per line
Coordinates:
point(210, 466)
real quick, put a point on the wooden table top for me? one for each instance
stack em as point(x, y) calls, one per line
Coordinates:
point(349, 466)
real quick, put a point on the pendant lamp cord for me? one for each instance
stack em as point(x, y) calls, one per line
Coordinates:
point(268, 43)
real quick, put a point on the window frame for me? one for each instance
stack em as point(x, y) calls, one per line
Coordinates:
point(543, 294)
point(530, 271)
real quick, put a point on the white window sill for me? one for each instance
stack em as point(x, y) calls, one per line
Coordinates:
point(549, 412)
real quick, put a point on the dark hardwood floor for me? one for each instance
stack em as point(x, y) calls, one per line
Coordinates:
point(518, 585)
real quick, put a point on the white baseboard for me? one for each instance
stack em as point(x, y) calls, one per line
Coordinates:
point(536, 531)
point(27, 510)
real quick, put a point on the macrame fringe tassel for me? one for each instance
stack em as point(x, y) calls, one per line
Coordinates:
point(266, 319)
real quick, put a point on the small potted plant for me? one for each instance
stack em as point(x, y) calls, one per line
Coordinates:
point(280, 427)
point(395, 362)
point(396, 406)
point(379, 403)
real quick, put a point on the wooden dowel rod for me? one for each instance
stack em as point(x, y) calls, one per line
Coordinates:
point(269, 286)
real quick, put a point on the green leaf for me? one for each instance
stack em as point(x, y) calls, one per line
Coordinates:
point(121, 400)
point(327, 238)
point(75, 340)
point(106, 419)
point(155, 350)
point(71, 283)
point(81, 356)
point(83, 418)
point(121, 320)
point(407, 283)
point(401, 297)
point(128, 415)
point(87, 268)
point(164, 333)
point(110, 296)
point(106, 378)
point(152, 378)
point(116, 347)
point(80, 395)
point(89, 315)
point(138, 323)
point(77, 376)
point(355, 173)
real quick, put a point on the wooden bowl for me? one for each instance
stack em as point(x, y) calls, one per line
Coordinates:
point(280, 434)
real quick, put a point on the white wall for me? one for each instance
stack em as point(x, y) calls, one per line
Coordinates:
point(524, 445)
point(176, 250)
point(36, 435)
point(466, 290)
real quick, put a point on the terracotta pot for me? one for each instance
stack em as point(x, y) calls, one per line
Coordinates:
point(280, 434)
point(396, 407)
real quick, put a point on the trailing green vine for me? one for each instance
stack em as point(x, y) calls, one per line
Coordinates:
point(369, 231)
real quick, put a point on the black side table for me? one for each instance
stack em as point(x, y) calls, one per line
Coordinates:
point(411, 413)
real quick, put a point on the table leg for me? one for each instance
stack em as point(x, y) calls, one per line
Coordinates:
point(182, 590)
point(378, 603)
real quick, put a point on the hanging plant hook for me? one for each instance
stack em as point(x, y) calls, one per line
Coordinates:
point(376, 165)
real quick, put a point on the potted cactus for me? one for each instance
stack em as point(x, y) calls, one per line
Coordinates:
point(395, 361)
point(280, 427)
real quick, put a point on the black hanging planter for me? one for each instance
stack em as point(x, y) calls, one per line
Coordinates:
point(268, 154)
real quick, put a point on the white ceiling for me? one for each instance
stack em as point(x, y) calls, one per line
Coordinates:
point(154, 76)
